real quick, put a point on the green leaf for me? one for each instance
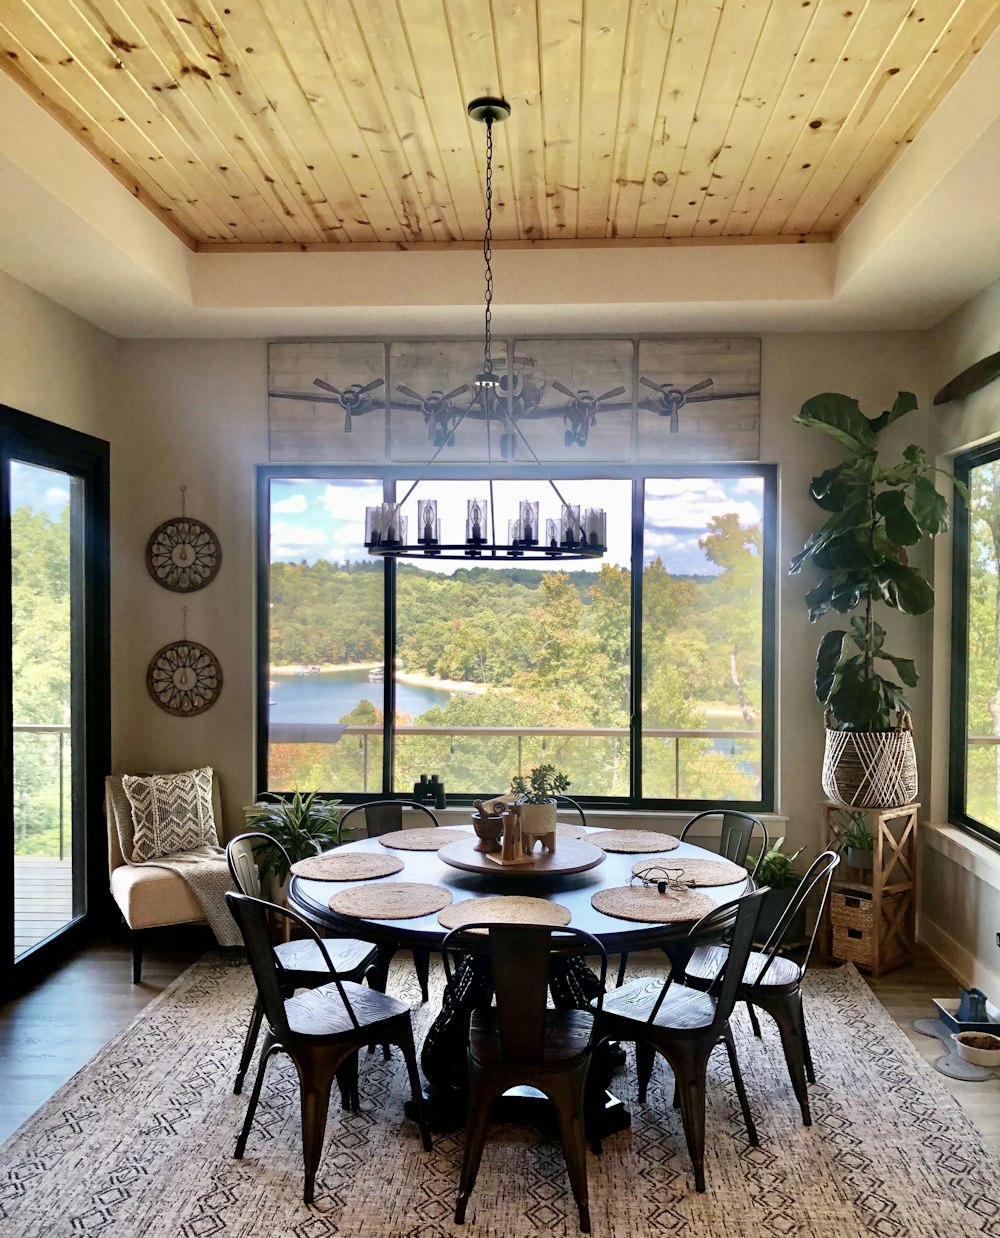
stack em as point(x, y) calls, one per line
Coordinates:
point(905, 403)
point(900, 527)
point(831, 647)
point(915, 455)
point(903, 588)
point(840, 591)
point(930, 509)
point(906, 668)
point(840, 417)
point(844, 550)
point(839, 487)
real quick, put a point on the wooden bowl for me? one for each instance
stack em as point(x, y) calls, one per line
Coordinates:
point(980, 1048)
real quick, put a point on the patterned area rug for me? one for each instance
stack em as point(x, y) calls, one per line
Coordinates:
point(139, 1143)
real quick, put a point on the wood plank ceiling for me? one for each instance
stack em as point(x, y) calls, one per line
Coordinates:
point(310, 123)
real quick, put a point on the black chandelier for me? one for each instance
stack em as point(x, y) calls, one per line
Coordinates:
point(576, 534)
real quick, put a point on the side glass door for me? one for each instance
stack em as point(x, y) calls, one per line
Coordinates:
point(53, 684)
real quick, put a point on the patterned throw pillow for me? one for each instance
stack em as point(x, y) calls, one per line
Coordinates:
point(170, 812)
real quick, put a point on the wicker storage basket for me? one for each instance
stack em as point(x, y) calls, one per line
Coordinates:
point(870, 769)
point(856, 938)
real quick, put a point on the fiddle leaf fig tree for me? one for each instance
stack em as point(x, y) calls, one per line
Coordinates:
point(877, 513)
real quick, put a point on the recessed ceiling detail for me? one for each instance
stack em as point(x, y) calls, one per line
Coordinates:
point(307, 123)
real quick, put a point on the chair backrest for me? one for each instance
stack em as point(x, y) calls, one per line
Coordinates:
point(565, 803)
point(737, 830)
point(732, 924)
point(380, 817)
point(520, 955)
point(243, 858)
point(819, 875)
point(252, 915)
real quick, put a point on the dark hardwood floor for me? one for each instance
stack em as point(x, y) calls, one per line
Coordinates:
point(50, 1032)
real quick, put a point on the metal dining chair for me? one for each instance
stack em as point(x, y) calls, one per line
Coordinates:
point(568, 804)
point(737, 831)
point(684, 1025)
point(301, 965)
point(774, 983)
point(521, 1041)
point(321, 1029)
point(374, 819)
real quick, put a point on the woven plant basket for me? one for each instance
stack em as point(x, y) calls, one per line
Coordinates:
point(870, 769)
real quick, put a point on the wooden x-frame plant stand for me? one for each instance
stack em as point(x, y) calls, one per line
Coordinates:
point(871, 919)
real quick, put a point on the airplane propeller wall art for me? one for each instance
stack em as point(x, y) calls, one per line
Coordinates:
point(569, 400)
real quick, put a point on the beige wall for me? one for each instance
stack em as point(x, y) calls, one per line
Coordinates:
point(195, 412)
point(960, 910)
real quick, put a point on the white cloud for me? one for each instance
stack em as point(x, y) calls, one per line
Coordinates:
point(294, 505)
point(56, 496)
point(693, 509)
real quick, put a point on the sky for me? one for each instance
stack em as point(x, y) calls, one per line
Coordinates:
point(315, 519)
point(43, 490)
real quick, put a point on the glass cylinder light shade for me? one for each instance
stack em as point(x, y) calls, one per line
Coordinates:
point(527, 520)
point(514, 540)
point(428, 524)
point(373, 525)
point(475, 525)
point(569, 526)
point(595, 527)
point(551, 534)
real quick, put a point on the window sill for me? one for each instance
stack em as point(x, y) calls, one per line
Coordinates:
point(628, 818)
point(970, 853)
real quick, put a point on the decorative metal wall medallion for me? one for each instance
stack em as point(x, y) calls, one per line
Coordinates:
point(183, 554)
point(184, 678)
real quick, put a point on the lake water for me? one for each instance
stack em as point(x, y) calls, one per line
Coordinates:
point(328, 697)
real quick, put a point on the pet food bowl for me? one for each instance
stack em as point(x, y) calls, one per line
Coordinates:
point(980, 1048)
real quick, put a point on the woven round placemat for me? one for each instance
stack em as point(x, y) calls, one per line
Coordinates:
point(347, 866)
point(431, 839)
point(570, 831)
point(393, 900)
point(505, 909)
point(694, 872)
point(632, 842)
point(646, 904)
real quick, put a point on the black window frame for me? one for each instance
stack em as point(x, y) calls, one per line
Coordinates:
point(964, 464)
point(638, 475)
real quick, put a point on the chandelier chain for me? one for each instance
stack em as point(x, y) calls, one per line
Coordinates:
point(488, 252)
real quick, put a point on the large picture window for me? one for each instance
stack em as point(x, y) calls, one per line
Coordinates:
point(975, 730)
point(646, 676)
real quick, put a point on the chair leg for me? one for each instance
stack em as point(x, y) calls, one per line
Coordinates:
point(316, 1075)
point(690, 1068)
point(249, 1043)
point(622, 965)
point(741, 1092)
point(136, 957)
point(481, 1097)
point(786, 1011)
point(347, 1082)
point(269, 1048)
point(376, 980)
point(422, 966)
point(405, 1042)
point(567, 1095)
point(645, 1055)
point(753, 1019)
point(806, 1051)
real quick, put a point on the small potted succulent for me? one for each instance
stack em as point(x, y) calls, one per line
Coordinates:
point(777, 871)
point(535, 796)
point(857, 844)
point(304, 824)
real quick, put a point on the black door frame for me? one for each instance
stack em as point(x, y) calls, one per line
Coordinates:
point(44, 443)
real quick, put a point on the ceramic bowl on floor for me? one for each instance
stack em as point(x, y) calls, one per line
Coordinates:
point(980, 1048)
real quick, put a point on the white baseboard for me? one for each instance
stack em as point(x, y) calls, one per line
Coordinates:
point(962, 963)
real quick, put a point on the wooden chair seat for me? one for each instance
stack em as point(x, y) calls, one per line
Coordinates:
point(566, 1039)
point(321, 1012)
point(304, 958)
point(706, 963)
point(682, 1009)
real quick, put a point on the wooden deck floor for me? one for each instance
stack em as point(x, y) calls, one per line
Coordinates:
point(43, 899)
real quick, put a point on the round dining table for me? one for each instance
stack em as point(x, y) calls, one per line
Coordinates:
point(572, 982)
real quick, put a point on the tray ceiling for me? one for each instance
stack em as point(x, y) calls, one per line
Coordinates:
point(307, 123)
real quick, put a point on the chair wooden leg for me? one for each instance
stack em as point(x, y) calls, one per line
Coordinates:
point(422, 966)
point(136, 956)
point(786, 1010)
point(806, 1051)
point(622, 965)
point(741, 1092)
point(269, 1047)
point(249, 1043)
point(690, 1067)
point(753, 1019)
point(566, 1093)
point(645, 1055)
point(405, 1042)
point(482, 1094)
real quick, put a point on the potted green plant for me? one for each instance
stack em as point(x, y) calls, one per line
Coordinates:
point(877, 514)
point(304, 824)
point(777, 871)
point(534, 794)
point(856, 843)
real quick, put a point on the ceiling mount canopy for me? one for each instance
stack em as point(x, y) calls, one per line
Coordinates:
point(575, 535)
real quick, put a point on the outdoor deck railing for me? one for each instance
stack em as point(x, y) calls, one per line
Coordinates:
point(62, 732)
